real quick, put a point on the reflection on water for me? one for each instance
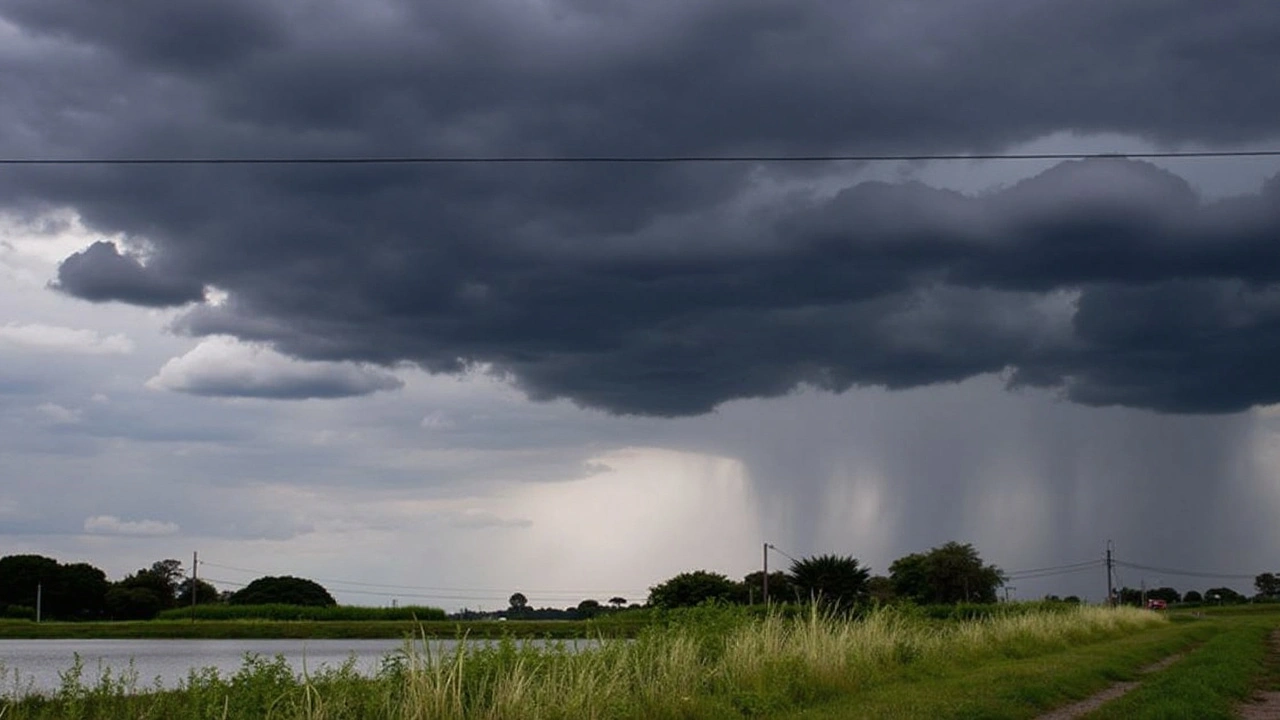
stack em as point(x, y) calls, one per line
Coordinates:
point(33, 666)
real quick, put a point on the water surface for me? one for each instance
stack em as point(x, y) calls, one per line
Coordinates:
point(34, 666)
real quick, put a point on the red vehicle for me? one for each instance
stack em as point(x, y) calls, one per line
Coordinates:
point(1154, 604)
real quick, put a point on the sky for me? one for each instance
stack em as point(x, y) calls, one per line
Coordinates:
point(445, 383)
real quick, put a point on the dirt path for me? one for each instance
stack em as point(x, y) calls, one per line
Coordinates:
point(1265, 704)
point(1093, 702)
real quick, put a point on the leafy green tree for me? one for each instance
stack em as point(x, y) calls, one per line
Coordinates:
point(781, 588)
point(171, 572)
point(1268, 585)
point(1223, 596)
point(909, 576)
point(21, 574)
point(837, 581)
point(129, 602)
point(79, 593)
point(950, 573)
point(880, 589)
point(518, 601)
point(588, 608)
point(286, 590)
point(693, 588)
point(67, 592)
point(617, 602)
point(1193, 596)
point(205, 593)
point(1166, 594)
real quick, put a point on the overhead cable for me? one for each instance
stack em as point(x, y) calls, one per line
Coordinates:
point(626, 159)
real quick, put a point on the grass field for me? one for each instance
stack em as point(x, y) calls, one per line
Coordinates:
point(712, 662)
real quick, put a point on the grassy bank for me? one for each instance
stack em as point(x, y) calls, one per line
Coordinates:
point(212, 611)
point(711, 663)
point(312, 629)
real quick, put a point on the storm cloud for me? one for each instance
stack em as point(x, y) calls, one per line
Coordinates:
point(671, 289)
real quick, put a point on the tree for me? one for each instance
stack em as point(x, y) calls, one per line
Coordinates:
point(171, 572)
point(286, 590)
point(67, 592)
point(518, 601)
point(1267, 585)
point(1192, 596)
point(131, 602)
point(142, 595)
point(950, 573)
point(1223, 596)
point(21, 574)
point(80, 593)
point(781, 589)
point(1166, 594)
point(588, 608)
point(836, 581)
point(693, 588)
point(617, 602)
point(205, 593)
point(880, 589)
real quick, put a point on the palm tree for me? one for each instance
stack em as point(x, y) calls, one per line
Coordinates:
point(837, 581)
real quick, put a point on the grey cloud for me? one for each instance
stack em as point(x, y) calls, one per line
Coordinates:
point(218, 368)
point(664, 290)
point(100, 273)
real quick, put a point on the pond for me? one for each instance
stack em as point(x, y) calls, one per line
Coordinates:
point(34, 666)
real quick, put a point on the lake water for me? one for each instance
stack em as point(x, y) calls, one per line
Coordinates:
point(33, 666)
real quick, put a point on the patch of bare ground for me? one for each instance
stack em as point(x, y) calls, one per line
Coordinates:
point(1095, 701)
point(1266, 703)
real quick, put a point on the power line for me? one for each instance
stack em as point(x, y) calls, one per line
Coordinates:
point(629, 159)
point(1069, 567)
point(1185, 573)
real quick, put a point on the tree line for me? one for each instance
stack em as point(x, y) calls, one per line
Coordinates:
point(950, 573)
point(80, 591)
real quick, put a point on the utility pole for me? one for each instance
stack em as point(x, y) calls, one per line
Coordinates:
point(195, 563)
point(1111, 595)
point(765, 583)
point(39, 599)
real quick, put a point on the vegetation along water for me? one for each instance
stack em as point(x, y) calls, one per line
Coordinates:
point(711, 661)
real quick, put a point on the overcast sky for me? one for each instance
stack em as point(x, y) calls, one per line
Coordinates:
point(576, 380)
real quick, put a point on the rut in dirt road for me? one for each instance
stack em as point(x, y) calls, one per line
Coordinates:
point(1265, 704)
point(1095, 701)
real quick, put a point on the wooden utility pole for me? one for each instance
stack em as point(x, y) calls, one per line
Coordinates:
point(765, 581)
point(1111, 595)
point(195, 573)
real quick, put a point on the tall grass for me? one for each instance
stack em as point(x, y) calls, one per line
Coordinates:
point(706, 663)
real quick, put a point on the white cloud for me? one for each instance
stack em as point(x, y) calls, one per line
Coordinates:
point(56, 414)
point(112, 525)
point(225, 367)
point(54, 338)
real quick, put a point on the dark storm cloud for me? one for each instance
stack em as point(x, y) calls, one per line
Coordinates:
point(668, 290)
point(100, 273)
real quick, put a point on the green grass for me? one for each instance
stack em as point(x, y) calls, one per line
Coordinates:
point(1014, 687)
point(712, 662)
point(1209, 683)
